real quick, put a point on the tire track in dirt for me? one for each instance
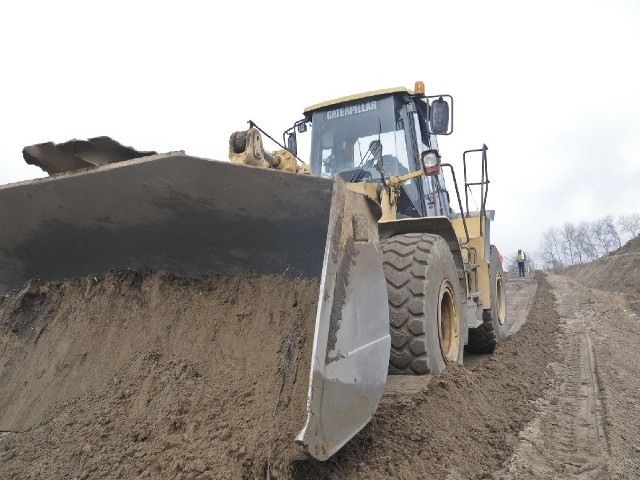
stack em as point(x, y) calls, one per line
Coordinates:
point(567, 439)
point(613, 328)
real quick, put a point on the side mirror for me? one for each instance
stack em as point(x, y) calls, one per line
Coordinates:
point(302, 127)
point(440, 116)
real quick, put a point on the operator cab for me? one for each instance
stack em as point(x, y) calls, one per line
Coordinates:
point(363, 137)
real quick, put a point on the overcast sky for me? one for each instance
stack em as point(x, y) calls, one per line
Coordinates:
point(552, 87)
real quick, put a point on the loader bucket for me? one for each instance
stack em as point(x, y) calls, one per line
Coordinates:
point(174, 213)
point(191, 217)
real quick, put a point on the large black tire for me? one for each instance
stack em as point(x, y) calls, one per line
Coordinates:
point(425, 313)
point(493, 329)
point(482, 339)
point(498, 295)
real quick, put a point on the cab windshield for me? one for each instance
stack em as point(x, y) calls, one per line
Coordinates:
point(345, 140)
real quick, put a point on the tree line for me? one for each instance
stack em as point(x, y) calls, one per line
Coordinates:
point(575, 243)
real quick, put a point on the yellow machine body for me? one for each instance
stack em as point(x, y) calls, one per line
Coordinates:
point(269, 213)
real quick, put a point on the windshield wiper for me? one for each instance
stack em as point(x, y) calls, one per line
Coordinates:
point(375, 149)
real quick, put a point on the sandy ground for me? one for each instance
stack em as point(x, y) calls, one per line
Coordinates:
point(142, 375)
point(588, 424)
point(559, 399)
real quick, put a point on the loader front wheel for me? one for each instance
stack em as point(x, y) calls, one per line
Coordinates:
point(425, 313)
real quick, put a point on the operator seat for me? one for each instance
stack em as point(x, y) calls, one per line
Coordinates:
point(393, 166)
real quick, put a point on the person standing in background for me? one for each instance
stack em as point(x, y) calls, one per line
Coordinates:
point(521, 258)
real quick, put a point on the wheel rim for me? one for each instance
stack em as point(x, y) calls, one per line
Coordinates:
point(448, 322)
point(501, 300)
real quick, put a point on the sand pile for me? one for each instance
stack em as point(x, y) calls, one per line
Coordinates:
point(148, 375)
point(618, 271)
point(151, 376)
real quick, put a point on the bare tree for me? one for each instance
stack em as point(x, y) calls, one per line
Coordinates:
point(531, 263)
point(569, 237)
point(585, 243)
point(551, 248)
point(600, 234)
point(630, 223)
point(610, 228)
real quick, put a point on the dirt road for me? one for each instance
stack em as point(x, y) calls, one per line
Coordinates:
point(588, 426)
point(559, 399)
point(520, 291)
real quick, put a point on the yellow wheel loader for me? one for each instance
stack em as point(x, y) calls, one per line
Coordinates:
point(407, 279)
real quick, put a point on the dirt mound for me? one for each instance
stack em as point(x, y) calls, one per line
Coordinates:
point(143, 374)
point(618, 271)
point(632, 246)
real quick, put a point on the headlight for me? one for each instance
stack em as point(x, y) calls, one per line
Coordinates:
point(430, 158)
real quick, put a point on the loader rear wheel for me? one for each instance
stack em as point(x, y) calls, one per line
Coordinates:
point(484, 338)
point(498, 295)
point(425, 314)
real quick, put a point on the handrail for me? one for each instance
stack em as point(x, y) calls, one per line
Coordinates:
point(484, 181)
point(455, 183)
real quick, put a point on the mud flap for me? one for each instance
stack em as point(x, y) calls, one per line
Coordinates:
point(352, 342)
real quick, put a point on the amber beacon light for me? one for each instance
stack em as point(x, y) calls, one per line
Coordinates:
point(419, 88)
